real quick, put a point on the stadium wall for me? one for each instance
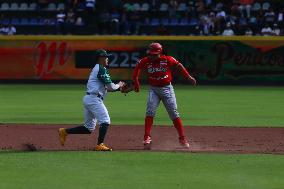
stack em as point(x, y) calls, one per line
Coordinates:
point(210, 59)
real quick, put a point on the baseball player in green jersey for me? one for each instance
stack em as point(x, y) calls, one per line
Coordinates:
point(98, 85)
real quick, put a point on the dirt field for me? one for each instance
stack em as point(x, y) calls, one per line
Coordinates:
point(127, 138)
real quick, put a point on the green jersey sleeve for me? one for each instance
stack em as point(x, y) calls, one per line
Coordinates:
point(103, 75)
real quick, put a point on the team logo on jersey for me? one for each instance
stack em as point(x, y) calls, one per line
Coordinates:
point(163, 63)
point(153, 70)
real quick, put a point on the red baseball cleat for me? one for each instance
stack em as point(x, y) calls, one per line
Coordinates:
point(183, 142)
point(147, 143)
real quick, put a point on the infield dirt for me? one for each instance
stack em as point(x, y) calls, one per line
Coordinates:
point(129, 138)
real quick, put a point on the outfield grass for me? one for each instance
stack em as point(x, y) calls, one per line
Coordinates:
point(201, 105)
point(92, 170)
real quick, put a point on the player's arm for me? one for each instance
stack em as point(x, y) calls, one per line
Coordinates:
point(112, 87)
point(104, 77)
point(176, 64)
point(185, 73)
point(135, 76)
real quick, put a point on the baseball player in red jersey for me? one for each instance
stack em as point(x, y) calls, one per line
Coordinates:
point(159, 74)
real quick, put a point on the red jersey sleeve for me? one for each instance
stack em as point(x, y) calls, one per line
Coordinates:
point(172, 61)
point(136, 73)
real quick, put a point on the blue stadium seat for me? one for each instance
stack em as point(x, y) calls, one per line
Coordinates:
point(154, 22)
point(24, 21)
point(256, 6)
point(51, 7)
point(136, 6)
point(184, 22)
point(164, 7)
point(51, 21)
point(15, 21)
point(265, 6)
point(23, 7)
point(61, 6)
point(5, 6)
point(33, 6)
point(182, 7)
point(193, 22)
point(42, 21)
point(145, 7)
point(174, 22)
point(14, 7)
point(165, 21)
point(6, 21)
point(34, 22)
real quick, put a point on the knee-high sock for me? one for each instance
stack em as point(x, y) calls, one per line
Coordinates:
point(78, 130)
point(178, 125)
point(102, 132)
point(148, 126)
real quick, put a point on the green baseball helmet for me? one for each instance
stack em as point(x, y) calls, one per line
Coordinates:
point(101, 53)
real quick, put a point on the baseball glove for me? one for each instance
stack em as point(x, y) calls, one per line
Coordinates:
point(127, 87)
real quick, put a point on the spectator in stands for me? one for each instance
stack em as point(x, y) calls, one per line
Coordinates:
point(269, 15)
point(276, 30)
point(280, 17)
point(266, 30)
point(69, 21)
point(60, 21)
point(90, 5)
point(70, 18)
point(114, 26)
point(43, 4)
point(245, 7)
point(191, 10)
point(219, 6)
point(103, 22)
point(207, 24)
point(235, 9)
point(173, 5)
point(200, 7)
point(208, 3)
point(228, 30)
point(134, 18)
point(79, 21)
point(2, 29)
point(154, 5)
point(89, 12)
point(11, 30)
point(248, 32)
point(220, 20)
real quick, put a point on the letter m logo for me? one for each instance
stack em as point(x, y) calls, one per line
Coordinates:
point(49, 55)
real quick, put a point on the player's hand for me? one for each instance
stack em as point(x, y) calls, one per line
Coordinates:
point(192, 80)
point(121, 84)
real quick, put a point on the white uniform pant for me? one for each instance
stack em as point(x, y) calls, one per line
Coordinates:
point(94, 111)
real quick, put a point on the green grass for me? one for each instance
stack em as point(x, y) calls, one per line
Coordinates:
point(202, 105)
point(72, 170)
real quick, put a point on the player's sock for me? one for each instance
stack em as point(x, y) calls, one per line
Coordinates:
point(78, 130)
point(148, 126)
point(102, 132)
point(178, 125)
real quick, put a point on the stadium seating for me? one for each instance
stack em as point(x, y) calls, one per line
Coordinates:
point(28, 16)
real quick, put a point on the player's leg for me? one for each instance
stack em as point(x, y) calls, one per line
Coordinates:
point(153, 102)
point(169, 101)
point(100, 112)
point(87, 128)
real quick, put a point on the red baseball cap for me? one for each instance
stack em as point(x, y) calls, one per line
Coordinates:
point(155, 48)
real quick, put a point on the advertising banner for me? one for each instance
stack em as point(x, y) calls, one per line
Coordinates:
point(209, 59)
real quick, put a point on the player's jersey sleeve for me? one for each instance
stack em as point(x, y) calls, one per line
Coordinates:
point(172, 61)
point(103, 75)
point(141, 63)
